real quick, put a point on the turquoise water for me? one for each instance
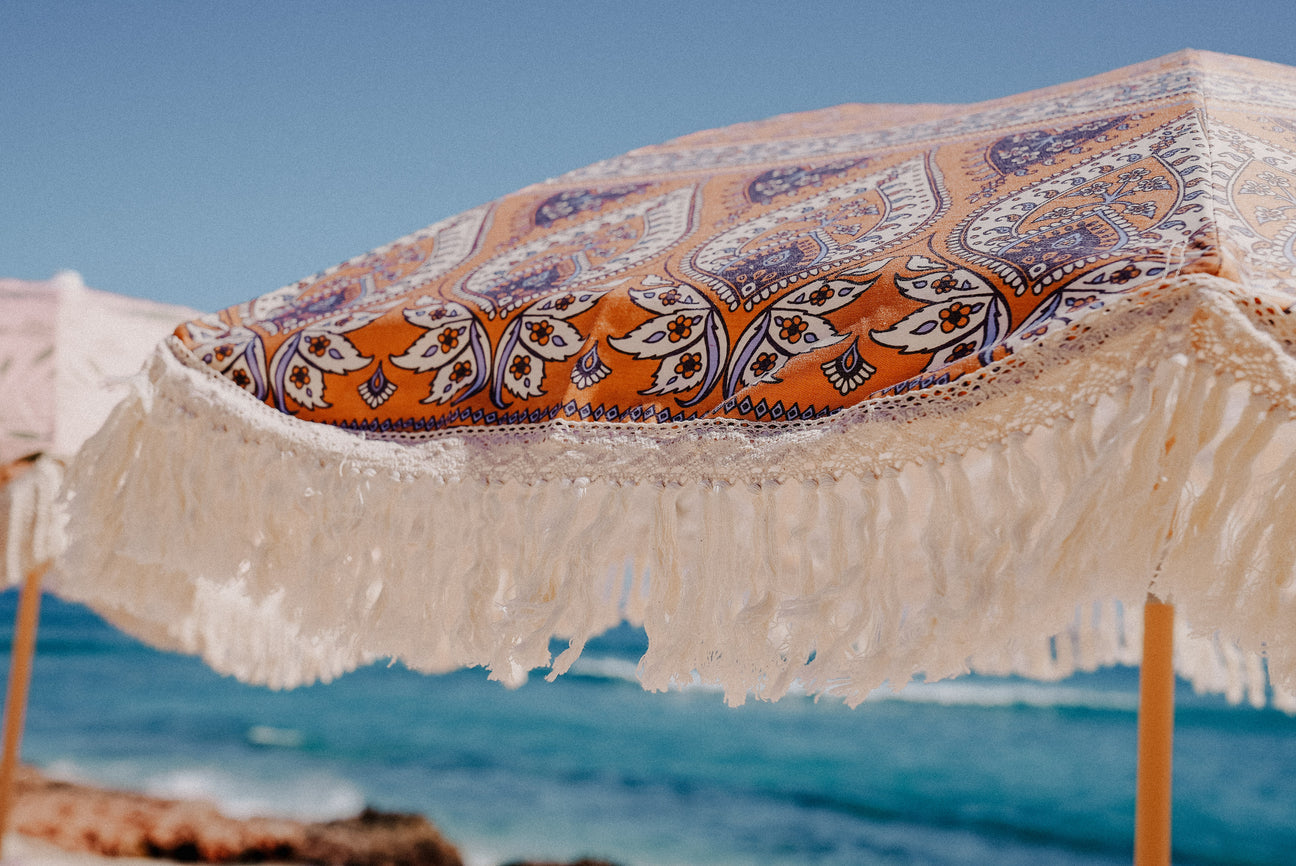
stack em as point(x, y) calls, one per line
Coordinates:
point(972, 771)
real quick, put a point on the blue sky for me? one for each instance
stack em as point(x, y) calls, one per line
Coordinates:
point(204, 153)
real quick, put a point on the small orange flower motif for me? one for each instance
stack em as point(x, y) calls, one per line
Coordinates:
point(224, 351)
point(449, 338)
point(763, 364)
point(540, 332)
point(962, 350)
point(689, 364)
point(820, 296)
point(945, 283)
point(1125, 274)
point(300, 376)
point(461, 370)
point(241, 378)
point(792, 328)
point(317, 345)
point(520, 367)
point(680, 328)
point(955, 316)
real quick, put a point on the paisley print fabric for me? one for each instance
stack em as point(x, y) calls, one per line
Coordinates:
point(809, 274)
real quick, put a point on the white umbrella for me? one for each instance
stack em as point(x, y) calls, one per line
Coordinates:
point(66, 353)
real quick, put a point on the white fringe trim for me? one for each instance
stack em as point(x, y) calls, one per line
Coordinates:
point(1012, 522)
point(30, 519)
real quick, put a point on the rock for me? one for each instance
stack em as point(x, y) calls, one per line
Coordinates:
point(375, 838)
point(119, 823)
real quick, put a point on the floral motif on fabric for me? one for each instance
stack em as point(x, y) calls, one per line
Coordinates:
point(589, 369)
point(295, 376)
point(795, 324)
point(690, 340)
point(962, 314)
point(788, 279)
point(687, 338)
point(541, 333)
point(1082, 296)
point(300, 364)
point(1021, 152)
point(777, 182)
point(1124, 200)
point(377, 389)
point(843, 224)
point(1257, 205)
point(573, 202)
point(596, 249)
point(373, 278)
point(237, 353)
point(848, 370)
point(454, 348)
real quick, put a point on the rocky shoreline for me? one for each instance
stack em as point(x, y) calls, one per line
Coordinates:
point(108, 823)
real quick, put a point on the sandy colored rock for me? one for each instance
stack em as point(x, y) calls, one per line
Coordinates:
point(123, 824)
point(375, 838)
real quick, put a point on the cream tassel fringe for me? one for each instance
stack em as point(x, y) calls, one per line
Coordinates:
point(29, 518)
point(1016, 528)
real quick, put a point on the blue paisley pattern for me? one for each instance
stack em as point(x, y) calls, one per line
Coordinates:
point(770, 275)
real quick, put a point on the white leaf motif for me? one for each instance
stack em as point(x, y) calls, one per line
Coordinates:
point(549, 338)
point(789, 327)
point(936, 325)
point(540, 333)
point(304, 383)
point(687, 334)
point(331, 352)
point(453, 346)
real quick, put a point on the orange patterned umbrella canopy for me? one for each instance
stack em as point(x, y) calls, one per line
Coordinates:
point(836, 398)
point(779, 271)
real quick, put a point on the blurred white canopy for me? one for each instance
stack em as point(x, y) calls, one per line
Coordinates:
point(66, 354)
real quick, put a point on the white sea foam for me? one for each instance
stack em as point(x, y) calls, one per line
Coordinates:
point(953, 693)
point(979, 693)
point(972, 692)
point(607, 668)
point(282, 738)
point(309, 796)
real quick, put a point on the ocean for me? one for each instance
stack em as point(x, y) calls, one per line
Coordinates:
point(969, 771)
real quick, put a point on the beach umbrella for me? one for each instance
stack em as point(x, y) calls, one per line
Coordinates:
point(66, 352)
point(836, 400)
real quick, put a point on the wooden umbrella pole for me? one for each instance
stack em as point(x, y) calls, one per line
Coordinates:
point(24, 647)
point(1155, 736)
